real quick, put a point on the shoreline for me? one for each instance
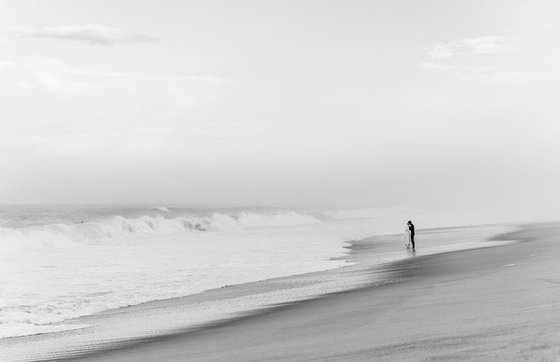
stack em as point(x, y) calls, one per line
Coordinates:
point(281, 284)
point(475, 304)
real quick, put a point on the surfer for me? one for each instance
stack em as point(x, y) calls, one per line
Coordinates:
point(411, 230)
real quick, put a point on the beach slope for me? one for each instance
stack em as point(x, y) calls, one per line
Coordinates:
point(498, 303)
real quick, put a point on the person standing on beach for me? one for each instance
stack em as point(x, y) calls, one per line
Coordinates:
point(411, 229)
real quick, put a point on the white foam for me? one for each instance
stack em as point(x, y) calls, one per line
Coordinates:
point(58, 272)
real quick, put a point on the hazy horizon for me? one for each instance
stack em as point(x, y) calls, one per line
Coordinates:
point(435, 104)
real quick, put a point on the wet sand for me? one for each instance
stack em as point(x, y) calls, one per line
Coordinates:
point(500, 303)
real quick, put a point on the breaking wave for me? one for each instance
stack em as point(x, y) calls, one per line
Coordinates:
point(119, 227)
point(60, 271)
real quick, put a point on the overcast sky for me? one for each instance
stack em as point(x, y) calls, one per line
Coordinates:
point(435, 104)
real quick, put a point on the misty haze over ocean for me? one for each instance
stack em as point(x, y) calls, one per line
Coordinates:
point(435, 104)
point(209, 159)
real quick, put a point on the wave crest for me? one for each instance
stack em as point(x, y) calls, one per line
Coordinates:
point(119, 227)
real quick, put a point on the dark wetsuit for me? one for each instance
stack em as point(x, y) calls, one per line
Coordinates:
point(411, 228)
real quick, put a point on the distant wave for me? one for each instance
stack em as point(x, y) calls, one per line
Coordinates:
point(161, 208)
point(119, 227)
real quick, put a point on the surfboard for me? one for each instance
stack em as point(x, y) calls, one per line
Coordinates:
point(407, 237)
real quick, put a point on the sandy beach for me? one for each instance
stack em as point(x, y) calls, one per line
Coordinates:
point(497, 303)
point(342, 180)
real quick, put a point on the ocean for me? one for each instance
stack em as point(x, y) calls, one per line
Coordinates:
point(58, 263)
